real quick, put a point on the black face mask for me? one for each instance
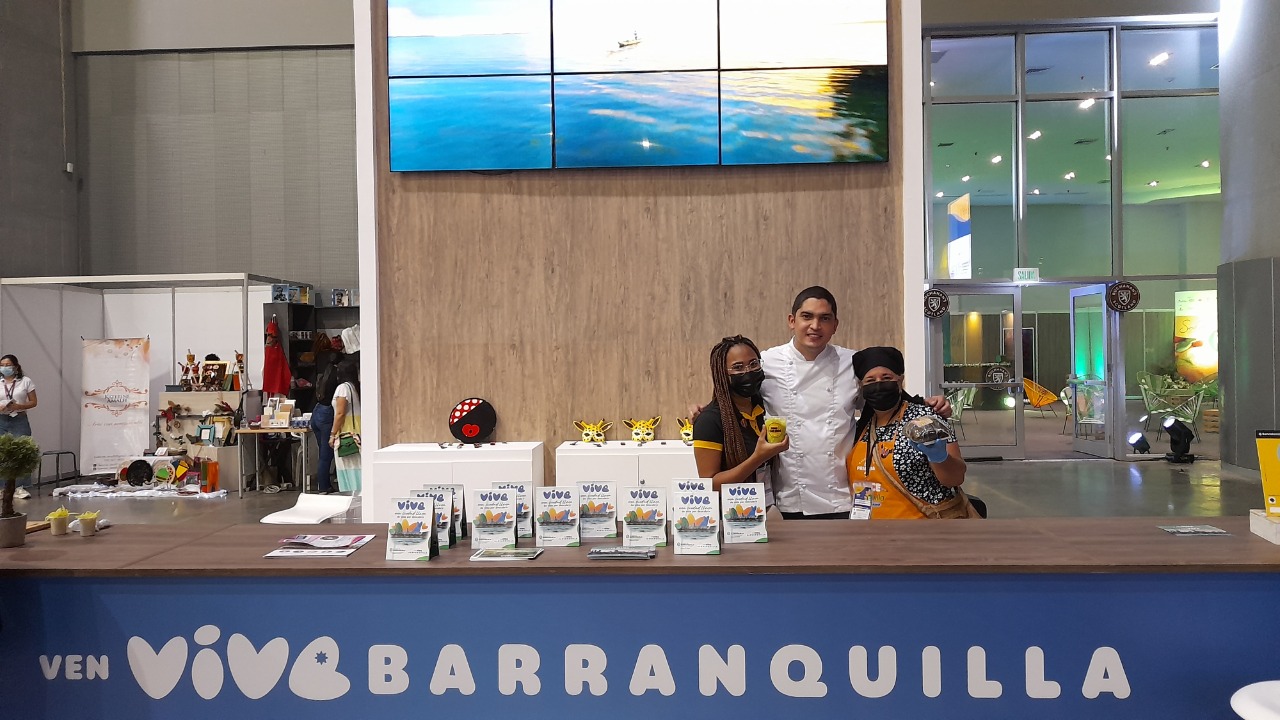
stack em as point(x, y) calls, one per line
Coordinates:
point(747, 384)
point(883, 396)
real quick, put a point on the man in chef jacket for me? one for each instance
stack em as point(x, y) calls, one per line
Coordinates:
point(810, 382)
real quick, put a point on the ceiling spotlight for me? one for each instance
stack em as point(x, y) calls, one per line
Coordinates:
point(1204, 164)
point(1035, 191)
point(1035, 135)
point(1087, 104)
point(1159, 59)
point(1070, 176)
point(964, 179)
point(996, 160)
point(932, 83)
point(1153, 183)
point(938, 194)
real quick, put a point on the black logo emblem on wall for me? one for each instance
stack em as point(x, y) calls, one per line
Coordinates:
point(1123, 296)
point(936, 303)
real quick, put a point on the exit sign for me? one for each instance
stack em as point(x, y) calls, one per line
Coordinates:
point(1026, 275)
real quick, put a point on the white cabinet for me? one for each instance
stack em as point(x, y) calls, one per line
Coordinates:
point(400, 469)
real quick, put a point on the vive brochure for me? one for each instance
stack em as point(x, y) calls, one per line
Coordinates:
point(524, 506)
point(644, 515)
point(598, 508)
point(442, 496)
point(556, 511)
point(696, 522)
point(493, 519)
point(411, 534)
point(744, 506)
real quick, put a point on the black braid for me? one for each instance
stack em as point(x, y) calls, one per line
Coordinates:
point(735, 450)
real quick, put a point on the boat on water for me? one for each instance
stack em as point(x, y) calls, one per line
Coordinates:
point(632, 42)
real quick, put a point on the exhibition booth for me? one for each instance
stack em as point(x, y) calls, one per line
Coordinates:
point(513, 555)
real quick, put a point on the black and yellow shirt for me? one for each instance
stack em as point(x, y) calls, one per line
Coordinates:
point(708, 431)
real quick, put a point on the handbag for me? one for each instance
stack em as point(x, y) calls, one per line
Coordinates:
point(348, 445)
point(349, 438)
point(957, 508)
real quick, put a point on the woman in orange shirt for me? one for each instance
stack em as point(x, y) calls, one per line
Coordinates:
point(901, 478)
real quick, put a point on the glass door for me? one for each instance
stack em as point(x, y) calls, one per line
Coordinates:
point(1089, 385)
point(976, 359)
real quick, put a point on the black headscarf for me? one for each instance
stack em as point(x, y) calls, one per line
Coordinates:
point(864, 361)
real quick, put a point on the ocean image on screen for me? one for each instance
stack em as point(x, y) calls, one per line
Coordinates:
point(805, 116)
point(629, 35)
point(476, 123)
point(468, 37)
point(802, 33)
point(640, 119)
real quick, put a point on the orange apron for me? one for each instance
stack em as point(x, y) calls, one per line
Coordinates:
point(887, 502)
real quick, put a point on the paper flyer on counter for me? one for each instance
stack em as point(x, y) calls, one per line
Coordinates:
point(644, 515)
point(695, 524)
point(598, 508)
point(556, 510)
point(680, 485)
point(493, 519)
point(524, 506)
point(744, 507)
point(411, 533)
point(442, 496)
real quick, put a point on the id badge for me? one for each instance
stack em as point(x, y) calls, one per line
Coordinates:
point(860, 511)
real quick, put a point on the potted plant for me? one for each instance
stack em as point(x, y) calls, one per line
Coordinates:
point(19, 457)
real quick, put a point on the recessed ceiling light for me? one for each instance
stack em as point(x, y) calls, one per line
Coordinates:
point(1035, 191)
point(932, 83)
point(938, 194)
point(964, 179)
point(1035, 135)
point(996, 160)
point(1159, 59)
point(1153, 183)
point(1108, 158)
point(1070, 176)
point(1087, 104)
point(1204, 163)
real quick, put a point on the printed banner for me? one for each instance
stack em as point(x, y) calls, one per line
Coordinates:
point(116, 409)
point(1195, 334)
point(971, 647)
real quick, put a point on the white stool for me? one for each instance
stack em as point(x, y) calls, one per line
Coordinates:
point(1259, 701)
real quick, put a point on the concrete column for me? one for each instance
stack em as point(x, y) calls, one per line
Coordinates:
point(1249, 326)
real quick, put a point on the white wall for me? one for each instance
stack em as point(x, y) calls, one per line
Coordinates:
point(43, 327)
point(114, 25)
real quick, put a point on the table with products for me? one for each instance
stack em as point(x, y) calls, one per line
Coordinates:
point(299, 433)
point(1052, 618)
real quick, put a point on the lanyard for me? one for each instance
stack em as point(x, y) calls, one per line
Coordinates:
point(8, 389)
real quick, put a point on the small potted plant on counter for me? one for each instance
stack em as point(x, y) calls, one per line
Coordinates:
point(19, 457)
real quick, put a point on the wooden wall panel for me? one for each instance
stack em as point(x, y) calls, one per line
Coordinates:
point(586, 294)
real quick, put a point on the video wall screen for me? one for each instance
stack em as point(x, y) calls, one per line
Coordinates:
point(529, 84)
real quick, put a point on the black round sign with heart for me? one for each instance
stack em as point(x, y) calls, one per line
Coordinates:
point(472, 420)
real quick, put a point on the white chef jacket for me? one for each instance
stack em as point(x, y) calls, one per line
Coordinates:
point(817, 399)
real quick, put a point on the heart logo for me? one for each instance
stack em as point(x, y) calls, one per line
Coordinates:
point(157, 673)
point(470, 430)
point(315, 673)
point(256, 672)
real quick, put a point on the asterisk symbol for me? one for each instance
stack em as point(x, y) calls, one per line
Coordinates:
point(321, 658)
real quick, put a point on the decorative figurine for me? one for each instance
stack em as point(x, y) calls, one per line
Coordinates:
point(686, 430)
point(642, 431)
point(593, 433)
point(241, 378)
point(190, 372)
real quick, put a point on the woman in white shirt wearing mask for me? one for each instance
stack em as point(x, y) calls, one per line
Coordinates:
point(17, 396)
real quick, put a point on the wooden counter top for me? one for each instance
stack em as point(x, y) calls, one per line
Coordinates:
point(1030, 546)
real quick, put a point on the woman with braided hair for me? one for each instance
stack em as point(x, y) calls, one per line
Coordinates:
point(728, 436)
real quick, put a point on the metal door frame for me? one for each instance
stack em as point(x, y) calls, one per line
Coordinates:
point(1113, 444)
point(936, 384)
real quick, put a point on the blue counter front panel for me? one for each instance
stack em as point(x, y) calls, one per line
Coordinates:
point(1025, 646)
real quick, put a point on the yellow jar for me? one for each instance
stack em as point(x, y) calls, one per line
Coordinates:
point(775, 430)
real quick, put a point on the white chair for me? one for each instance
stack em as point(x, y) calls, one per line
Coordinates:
point(1259, 701)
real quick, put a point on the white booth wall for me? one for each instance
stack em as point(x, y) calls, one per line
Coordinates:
point(43, 327)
